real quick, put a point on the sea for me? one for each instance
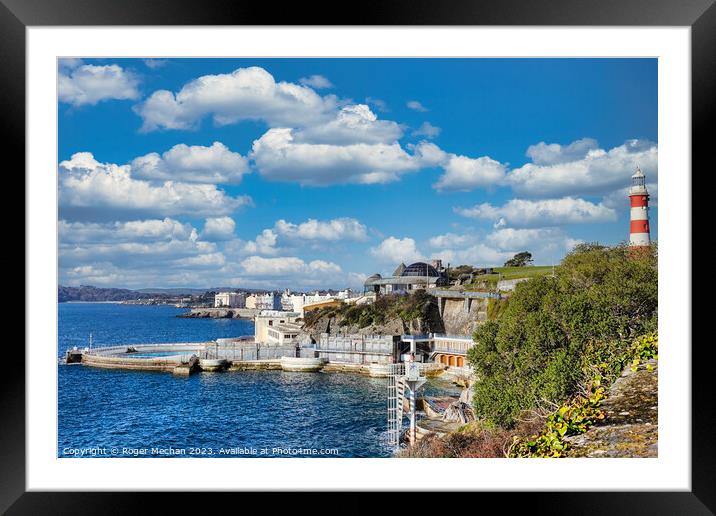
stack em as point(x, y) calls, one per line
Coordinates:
point(113, 413)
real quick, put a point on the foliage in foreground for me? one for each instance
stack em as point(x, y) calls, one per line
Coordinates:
point(576, 416)
point(554, 331)
point(546, 435)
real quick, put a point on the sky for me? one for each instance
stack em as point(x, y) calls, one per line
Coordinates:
point(316, 173)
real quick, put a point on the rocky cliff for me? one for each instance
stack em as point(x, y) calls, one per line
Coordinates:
point(630, 428)
point(414, 314)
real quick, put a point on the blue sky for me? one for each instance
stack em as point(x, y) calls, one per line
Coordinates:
point(313, 173)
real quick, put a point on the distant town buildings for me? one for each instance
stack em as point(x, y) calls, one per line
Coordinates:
point(299, 302)
point(264, 301)
point(230, 300)
point(418, 275)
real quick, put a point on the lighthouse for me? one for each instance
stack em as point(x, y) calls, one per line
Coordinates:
point(639, 196)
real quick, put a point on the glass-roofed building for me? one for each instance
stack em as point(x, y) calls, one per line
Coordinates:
point(418, 275)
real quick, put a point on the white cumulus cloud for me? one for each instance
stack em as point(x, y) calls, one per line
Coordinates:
point(218, 228)
point(90, 84)
point(131, 231)
point(560, 171)
point(465, 174)
point(344, 228)
point(244, 94)
point(553, 153)
point(352, 124)
point(192, 164)
point(546, 245)
point(279, 157)
point(107, 189)
point(288, 265)
point(547, 212)
point(396, 250)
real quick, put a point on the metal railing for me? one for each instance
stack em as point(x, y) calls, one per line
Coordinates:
point(396, 394)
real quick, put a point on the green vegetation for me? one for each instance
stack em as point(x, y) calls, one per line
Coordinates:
point(577, 415)
point(407, 307)
point(555, 331)
point(489, 281)
point(547, 355)
point(495, 307)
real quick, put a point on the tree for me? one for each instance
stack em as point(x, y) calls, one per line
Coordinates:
point(554, 329)
point(519, 260)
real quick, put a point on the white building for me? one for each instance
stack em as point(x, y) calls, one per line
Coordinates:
point(296, 302)
point(230, 300)
point(347, 294)
point(282, 333)
point(269, 320)
point(264, 301)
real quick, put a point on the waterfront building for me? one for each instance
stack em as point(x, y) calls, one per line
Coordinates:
point(268, 319)
point(639, 235)
point(281, 334)
point(418, 275)
point(230, 300)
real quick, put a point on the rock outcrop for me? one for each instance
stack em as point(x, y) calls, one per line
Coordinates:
point(219, 313)
point(459, 412)
point(339, 322)
point(630, 428)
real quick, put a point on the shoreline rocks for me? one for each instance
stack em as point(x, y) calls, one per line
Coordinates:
point(219, 313)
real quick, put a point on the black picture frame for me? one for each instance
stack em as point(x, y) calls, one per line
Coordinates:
point(700, 15)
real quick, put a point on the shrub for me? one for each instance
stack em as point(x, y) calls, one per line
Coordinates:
point(553, 330)
point(577, 415)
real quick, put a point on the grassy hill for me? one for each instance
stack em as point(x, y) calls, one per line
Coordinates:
point(489, 281)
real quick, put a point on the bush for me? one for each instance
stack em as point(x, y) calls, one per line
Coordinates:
point(553, 331)
point(577, 415)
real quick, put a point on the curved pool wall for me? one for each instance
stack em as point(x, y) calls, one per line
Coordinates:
point(133, 356)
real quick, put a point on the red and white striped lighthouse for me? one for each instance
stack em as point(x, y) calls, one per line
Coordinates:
point(639, 196)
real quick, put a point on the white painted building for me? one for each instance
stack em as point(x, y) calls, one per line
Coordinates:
point(264, 301)
point(296, 302)
point(230, 300)
point(282, 333)
point(268, 320)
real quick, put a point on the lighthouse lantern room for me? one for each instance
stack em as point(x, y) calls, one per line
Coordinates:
point(639, 196)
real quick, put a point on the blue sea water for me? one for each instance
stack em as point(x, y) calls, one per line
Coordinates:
point(242, 414)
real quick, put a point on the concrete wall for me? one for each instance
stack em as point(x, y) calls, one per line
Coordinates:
point(458, 320)
point(241, 351)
